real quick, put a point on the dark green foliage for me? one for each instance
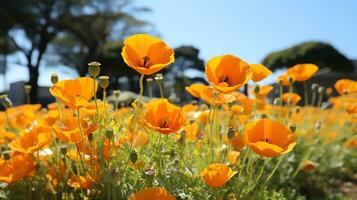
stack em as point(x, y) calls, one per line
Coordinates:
point(322, 54)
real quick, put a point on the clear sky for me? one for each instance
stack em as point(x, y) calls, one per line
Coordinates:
point(250, 29)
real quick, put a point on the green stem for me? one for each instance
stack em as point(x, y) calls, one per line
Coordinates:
point(275, 168)
point(305, 94)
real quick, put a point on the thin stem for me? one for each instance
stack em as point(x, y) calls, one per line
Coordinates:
point(213, 107)
point(305, 93)
point(275, 168)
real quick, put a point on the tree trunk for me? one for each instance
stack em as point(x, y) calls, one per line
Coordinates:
point(34, 74)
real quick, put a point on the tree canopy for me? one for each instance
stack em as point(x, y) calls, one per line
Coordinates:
point(322, 54)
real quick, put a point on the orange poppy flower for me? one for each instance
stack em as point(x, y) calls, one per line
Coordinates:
point(68, 130)
point(196, 89)
point(228, 73)
point(269, 138)
point(302, 72)
point(291, 98)
point(329, 91)
point(217, 174)
point(232, 157)
point(260, 72)
point(163, 116)
point(284, 79)
point(245, 102)
point(18, 167)
point(352, 108)
point(189, 108)
point(192, 132)
point(154, 193)
point(6, 136)
point(209, 93)
point(264, 91)
point(146, 54)
point(237, 141)
point(22, 116)
point(308, 165)
point(75, 93)
point(351, 143)
point(84, 182)
point(346, 86)
point(32, 139)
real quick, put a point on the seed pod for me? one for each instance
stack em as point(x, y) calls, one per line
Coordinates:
point(54, 78)
point(256, 89)
point(27, 88)
point(94, 68)
point(292, 127)
point(116, 93)
point(314, 86)
point(291, 80)
point(263, 116)
point(104, 82)
point(109, 133)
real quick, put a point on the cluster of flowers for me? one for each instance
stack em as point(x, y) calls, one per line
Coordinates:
point(81, 143)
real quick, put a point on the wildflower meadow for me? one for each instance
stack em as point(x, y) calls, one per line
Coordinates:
point(226, 145)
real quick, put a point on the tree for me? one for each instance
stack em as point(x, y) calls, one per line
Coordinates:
point(37, 21)
point(322, 54)
point(87, 34)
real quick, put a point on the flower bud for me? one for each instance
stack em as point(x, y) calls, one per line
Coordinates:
point(5, 101)
point(230, 133)
point(104, 82)
point(90, 137)
point(109, 133)
point(263, 116)
point(63, 150)
point(280, 82)
point(54, 78)
point(27, 88)
point(292, 127)
point(297, 109)
point(314, 87)
point(291, 80)
point(94, 68)
point(256, 89)
point(159, 78)
point(116, 93)
point(277, 101)
point(321, 90)
point(133, 156)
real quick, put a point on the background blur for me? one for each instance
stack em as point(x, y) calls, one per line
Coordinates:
point(41, 37)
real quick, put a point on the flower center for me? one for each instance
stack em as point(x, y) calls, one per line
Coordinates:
point(164, 124)
point(268, 140)
point(146, 61)
point(224, 79)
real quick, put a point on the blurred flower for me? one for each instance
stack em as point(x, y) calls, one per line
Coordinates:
point(154, 193)
point(16, 168)
point(308, 165)
point(269, 138)
point(22, 116)
point(346, 86)
point(228, 73)
point(196, 89)
point(302, 72)
point(291, 98)
point(217, 174)
point(260, 72)
point(84, 182)
point(146, 54)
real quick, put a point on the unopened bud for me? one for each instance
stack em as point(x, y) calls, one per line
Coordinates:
point(314, 87)
point(321, 90)
point(292, 127)
point(109, 133)
point(263, 116)
point(230, 133)
point(256, 89)
point(54, 78)
point(133, 156)
point(116, 93)
point(63, 150)
point(291, 80)
point(94, 68)
point(90, 137)
point(104, 82)
point(277, 101)
point(297, 109)
point(5, 101)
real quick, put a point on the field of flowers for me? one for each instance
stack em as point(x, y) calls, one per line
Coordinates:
point(227, 146)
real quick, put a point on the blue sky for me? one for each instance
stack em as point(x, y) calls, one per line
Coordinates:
point(249, 29)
